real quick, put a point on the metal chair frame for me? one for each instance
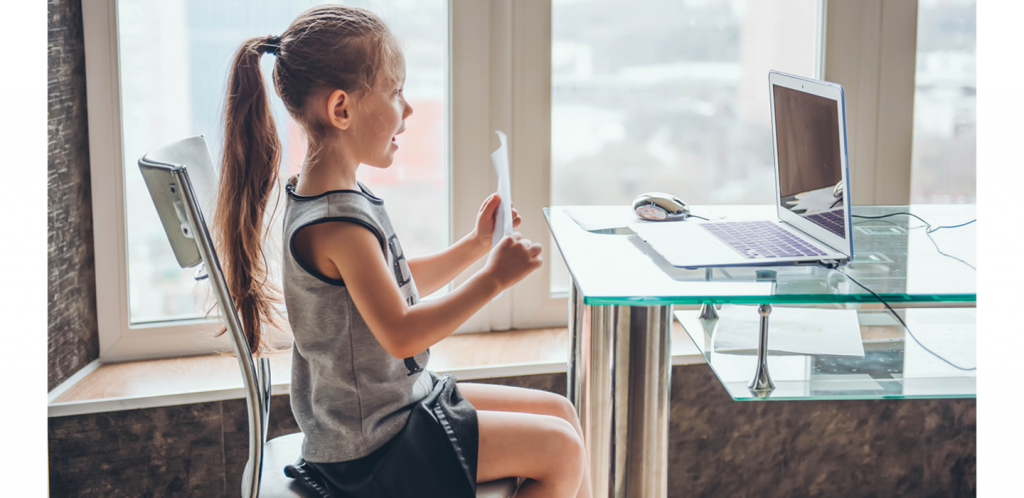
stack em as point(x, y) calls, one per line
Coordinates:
point(255, 374)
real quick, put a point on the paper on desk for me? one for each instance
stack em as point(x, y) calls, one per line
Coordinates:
point(790, 330)
point(503, 218)
point(602, 217)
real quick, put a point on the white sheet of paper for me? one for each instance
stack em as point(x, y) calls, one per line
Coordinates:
point(790, 330)
point(602, 217)
point(503, 218)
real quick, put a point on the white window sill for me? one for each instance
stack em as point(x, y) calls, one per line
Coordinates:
point(176, 381)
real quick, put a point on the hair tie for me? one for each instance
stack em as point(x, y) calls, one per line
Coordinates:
point(272, 44)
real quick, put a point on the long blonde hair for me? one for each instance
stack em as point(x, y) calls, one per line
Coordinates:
point(326, 48)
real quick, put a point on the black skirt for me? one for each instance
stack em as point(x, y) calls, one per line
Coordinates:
point(435, 454)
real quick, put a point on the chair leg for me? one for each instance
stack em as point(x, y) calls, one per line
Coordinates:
point(263, 376)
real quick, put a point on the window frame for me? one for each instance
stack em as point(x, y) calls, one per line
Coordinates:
point(870, 47)
point(119, 339)
point(499, 77)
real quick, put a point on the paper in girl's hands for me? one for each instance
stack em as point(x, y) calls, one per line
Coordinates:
point(503, 216)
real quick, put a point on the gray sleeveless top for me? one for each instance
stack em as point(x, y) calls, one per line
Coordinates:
point(348, 394)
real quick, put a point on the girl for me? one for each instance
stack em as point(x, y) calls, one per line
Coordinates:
point(376, 423)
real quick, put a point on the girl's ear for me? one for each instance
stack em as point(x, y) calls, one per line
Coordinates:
point(339, 109)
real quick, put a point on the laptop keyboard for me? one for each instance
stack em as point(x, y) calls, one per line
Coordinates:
point(831, 220)
point(760, 239)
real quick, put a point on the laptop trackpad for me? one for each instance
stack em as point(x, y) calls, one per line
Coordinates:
point(686, 244)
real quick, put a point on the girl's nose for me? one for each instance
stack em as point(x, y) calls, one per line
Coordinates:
point(408, 111)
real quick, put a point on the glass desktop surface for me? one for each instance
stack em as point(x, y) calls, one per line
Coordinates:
point(892, 256)
point(894, 365)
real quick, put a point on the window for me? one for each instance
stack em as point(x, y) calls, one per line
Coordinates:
point(669, 96)
point(600, 103)
point(945, 92)
point(165, 74)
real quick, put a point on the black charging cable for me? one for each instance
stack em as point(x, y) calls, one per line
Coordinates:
point(904, 324)
point(928, 232)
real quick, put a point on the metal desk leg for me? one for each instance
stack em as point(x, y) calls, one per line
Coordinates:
point(707, 310)
point(762, 382)
point(619, 379)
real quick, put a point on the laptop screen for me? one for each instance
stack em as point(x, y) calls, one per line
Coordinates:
point(810, 175)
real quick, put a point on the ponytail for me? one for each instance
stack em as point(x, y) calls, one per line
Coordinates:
point(249, 173)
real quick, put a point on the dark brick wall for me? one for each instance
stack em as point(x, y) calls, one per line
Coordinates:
point(72, 334)
point(717, 446)
point(870, 448)
point(186, 450)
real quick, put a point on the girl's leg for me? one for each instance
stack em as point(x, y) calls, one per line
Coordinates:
point(541, 448)
point(517, 399)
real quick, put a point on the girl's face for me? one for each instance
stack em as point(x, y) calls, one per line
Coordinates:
point(379, 118)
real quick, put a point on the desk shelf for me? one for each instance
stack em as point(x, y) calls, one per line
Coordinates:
point(894, 366)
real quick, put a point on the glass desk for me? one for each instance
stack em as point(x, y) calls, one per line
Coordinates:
point(620, 317)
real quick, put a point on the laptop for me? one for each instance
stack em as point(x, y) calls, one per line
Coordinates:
point(812, 194)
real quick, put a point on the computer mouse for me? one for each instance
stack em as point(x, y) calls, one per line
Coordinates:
point(659, 206)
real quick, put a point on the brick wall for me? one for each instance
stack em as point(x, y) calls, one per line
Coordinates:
point(717, 446)
point(72, 333)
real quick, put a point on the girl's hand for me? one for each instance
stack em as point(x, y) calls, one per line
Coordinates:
point(484, 229)
point(512, 259)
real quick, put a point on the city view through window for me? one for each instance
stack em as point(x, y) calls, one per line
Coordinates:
point(945, 99)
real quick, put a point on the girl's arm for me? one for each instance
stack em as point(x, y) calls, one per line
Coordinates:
point(405, 330)
point(436, 270)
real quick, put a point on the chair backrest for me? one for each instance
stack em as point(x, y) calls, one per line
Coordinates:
point(168, 172)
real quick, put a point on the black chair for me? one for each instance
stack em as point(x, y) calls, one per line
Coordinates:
point(167, 174)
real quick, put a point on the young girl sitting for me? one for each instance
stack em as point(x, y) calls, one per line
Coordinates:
point(376, 422)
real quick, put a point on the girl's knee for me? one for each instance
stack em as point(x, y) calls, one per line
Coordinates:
point(560, 406)
point(567, 449)
point(566, 409)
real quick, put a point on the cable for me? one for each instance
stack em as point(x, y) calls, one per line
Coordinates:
point(952, 226)
point(890, 214)
point(891, 223)
point(929, 234)
point(912, 336)
point(699, 217)
point(928, 231)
